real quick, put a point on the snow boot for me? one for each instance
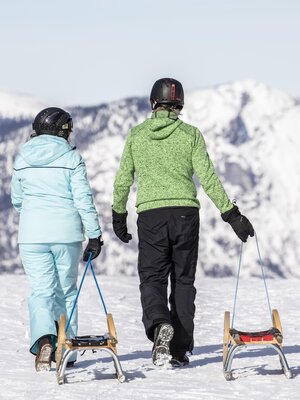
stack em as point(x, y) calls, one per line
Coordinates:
point(163, 334)
point(43, 357)
point(179, 360)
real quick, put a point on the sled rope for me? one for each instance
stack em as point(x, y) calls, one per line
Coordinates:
point(264, 278)
point(99, 291)
point(88, 264)
point(80, 286)
point(237, 285)
point(238, 278)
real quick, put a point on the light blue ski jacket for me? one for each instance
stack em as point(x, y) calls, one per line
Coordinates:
point(51, 192)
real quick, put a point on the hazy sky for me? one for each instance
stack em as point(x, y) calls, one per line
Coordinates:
point(89, 51)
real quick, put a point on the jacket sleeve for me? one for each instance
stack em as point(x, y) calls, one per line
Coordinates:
point(208, 178)
point(124, 179)
point(16, 192)
point(83, 201)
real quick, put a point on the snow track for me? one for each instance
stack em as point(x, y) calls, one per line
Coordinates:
point(257, 370)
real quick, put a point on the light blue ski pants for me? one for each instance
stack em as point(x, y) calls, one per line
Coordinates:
point(52, 270)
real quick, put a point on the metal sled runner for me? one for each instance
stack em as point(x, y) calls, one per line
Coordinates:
point(234, 340)
point(68, 346)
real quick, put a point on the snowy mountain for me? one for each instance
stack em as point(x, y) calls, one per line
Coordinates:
point(251, 131)
point(19, 107)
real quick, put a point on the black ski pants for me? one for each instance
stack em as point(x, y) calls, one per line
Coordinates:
point(168, 248)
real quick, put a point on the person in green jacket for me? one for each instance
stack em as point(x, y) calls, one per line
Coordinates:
point(163, 152)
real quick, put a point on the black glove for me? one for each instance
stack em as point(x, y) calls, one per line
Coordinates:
point(120, 226)
point(94, 247)
point(239, 223)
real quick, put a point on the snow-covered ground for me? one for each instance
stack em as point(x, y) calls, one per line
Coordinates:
point(257, 370)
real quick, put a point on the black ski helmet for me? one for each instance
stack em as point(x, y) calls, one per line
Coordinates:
point(167, 91)
point(53, 121)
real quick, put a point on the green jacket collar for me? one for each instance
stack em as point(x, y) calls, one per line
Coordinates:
point(164, 114)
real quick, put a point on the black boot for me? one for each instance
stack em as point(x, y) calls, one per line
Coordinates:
point(43, 357)
point(179, 360)
point(70, 364)
point(163, 334)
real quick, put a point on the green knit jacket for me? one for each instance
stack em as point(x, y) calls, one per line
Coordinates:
point(164, 153)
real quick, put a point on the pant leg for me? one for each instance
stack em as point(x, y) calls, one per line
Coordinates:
point(39, 266)
point(153, 267)
point(184, 234)
point(66, 257)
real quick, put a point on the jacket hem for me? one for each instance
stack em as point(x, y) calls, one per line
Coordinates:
point(167, 203)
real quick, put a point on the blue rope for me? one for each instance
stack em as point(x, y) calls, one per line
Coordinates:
point(237, 284)
point(101, 297)
point(80, 286)
point(88, 264)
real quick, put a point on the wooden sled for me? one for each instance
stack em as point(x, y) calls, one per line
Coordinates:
point(234, 340)
point(66, 347)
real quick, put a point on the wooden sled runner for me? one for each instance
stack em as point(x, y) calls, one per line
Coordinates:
point(234, 340)
point(66, 347)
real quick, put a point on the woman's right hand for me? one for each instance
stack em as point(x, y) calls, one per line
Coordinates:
point(94, 247)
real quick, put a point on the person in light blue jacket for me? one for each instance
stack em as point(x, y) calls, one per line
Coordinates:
point(51, 192)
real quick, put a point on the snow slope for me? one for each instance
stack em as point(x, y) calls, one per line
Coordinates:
point(252, 134)
point(257, 370)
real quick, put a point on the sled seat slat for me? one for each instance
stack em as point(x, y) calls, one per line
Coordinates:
point(90, 341)
point(272, 335)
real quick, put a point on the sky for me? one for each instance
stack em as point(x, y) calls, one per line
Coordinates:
point(85, 52)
